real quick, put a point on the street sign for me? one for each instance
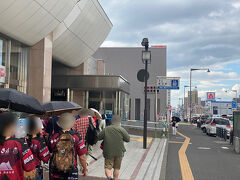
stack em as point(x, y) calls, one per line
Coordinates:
point(211, 96)
point(234, 105)
point(141, 75)
point(2, 74)
point(168, 82)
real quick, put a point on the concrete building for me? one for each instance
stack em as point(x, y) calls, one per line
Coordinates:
point(219, 107)
point(195, 99)
point(33, 33)
point(127, 62)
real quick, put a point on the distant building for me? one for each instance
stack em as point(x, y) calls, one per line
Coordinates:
point(195, 99)
point(127, 61)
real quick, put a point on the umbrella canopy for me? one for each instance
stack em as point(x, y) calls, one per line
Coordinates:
point(96, 113)
point(18, 101)
point(177, 118)
point(54, 106)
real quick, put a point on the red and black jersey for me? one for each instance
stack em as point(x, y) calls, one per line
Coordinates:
point(40, 150)
point(15, 157)
point(79, 147)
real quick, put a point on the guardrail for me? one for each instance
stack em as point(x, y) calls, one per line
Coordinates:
point(221, 133)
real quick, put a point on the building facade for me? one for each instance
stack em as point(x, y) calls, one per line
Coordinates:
point(219, 107)
point(33, 33)
point(127, 62)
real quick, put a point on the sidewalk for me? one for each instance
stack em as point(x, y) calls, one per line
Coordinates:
point(138, 164)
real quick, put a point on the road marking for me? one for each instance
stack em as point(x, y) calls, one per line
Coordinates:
point(224, 147)
point(204, 148)
point(177, 142)
point(184, 164)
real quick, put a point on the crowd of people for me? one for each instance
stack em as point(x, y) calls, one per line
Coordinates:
point(63, 142)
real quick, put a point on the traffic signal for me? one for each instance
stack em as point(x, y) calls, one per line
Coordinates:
point(152, 89)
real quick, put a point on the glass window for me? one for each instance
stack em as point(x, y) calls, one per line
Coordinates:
point(3, 51)
point(18, 66)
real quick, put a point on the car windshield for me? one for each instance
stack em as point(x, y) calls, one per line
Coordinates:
point(224, 122)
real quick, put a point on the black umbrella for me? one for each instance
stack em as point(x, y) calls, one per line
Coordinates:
point(54, 106)
point(18, 101)
point(176, 118)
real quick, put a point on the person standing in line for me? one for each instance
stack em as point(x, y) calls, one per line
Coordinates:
point(37, 144)
point(174, 124)
point(81, 126)
point(66, 145)
point(113, 137)
point(15, 155)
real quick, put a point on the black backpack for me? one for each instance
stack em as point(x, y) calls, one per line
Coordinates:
point(91, 136)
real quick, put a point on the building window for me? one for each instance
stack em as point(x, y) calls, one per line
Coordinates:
point(14, 56)
point(18, 66)
point(3, 51)
point(137, 108)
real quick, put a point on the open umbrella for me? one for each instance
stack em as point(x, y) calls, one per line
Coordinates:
point(56, 106)
point(18, 101)
point(96, 113)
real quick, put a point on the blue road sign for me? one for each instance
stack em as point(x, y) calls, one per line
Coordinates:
point(234, 105)
point(169, 84)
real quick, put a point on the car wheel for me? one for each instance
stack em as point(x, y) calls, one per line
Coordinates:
point(204, 130)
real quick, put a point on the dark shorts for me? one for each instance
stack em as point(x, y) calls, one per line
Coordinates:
point(72, 176)
point(114, 163)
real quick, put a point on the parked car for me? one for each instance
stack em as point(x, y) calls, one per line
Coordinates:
point(204, 125)
point(211, 128)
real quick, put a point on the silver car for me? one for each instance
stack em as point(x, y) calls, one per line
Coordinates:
point(211, 128)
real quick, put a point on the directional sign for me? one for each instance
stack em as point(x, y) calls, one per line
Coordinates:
point(234, 105)
point(168, 82)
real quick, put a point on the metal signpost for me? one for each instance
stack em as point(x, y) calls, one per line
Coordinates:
point(167, 83)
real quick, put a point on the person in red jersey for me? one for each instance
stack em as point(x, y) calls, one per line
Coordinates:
point(37, 145)
point(66, 145)
point(15, 155)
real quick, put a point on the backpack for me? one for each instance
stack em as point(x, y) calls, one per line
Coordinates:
point(91, 136)
point(64, 155)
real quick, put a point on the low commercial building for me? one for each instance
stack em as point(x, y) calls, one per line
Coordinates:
point(219, 107)
point(127, 61)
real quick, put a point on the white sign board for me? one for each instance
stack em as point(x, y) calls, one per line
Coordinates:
point(2, 74)
point(168, 82)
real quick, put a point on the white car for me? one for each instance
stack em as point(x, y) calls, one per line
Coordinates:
point(211, 128)
point(204, 126)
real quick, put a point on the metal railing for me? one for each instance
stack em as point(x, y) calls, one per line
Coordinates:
point(221, 133)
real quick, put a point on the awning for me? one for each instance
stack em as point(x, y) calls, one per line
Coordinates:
point(91, 82)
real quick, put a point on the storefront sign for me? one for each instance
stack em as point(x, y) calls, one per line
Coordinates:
point(2, 74)
point(210, 96)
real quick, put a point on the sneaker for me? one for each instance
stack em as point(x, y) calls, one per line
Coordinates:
point(110, 178)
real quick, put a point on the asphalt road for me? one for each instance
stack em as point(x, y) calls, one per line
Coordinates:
point(209, 158)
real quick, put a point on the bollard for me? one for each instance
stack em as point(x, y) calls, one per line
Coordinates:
point(225, 135)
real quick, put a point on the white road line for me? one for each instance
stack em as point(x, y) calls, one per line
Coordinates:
point(204, 148)
point(224, 147)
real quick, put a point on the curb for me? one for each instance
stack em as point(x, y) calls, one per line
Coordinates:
point(164, 163)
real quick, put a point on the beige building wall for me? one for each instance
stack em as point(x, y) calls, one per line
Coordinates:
point(40, 70)
point(100, 67)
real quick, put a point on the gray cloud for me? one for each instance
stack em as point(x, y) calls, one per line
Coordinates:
point(196, 32)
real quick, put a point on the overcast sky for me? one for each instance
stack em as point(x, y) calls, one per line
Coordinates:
point(198, 34)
